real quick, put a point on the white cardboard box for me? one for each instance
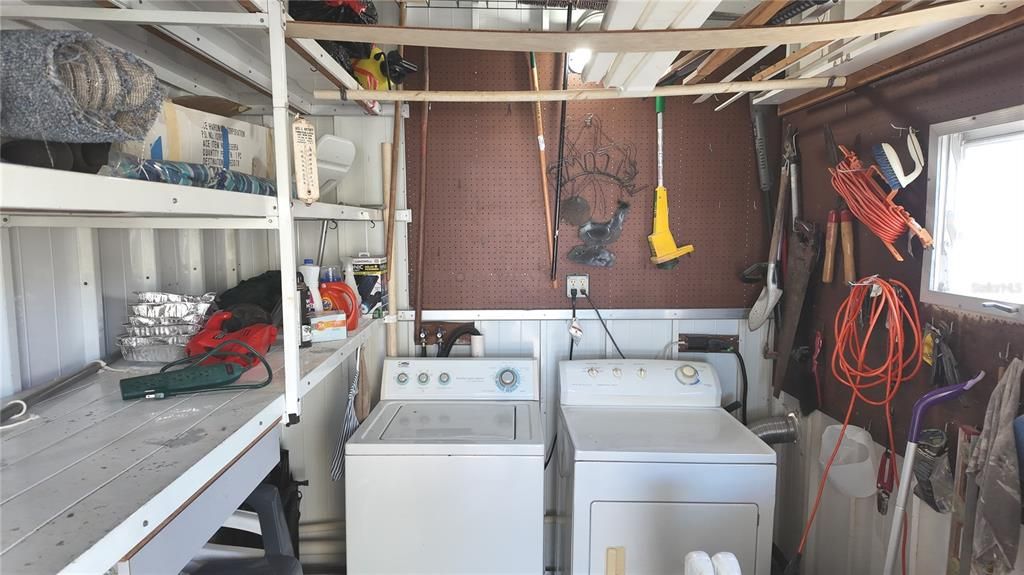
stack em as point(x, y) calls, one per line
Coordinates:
point(185, 135)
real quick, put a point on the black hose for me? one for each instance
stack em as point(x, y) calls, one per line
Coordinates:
point(561, 154)
point(743, 374)
point(446, 346)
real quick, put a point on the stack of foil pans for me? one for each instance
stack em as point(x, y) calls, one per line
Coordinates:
point(160, 324)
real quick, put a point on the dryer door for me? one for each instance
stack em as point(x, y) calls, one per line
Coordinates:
point(656, 536)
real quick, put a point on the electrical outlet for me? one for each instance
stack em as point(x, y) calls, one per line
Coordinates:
point(581, 283)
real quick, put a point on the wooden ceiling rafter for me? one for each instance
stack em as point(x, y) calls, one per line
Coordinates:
point(646, 40)
point(937, 47)
point(759, 16)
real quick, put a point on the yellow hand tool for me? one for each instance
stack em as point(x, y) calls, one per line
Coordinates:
point(664, 250)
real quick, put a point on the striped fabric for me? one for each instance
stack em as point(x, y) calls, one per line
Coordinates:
point(350, 424)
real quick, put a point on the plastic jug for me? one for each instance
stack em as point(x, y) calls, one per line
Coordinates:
point(311, 275)
point(853, 472)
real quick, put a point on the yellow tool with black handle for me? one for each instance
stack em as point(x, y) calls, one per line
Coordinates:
point(664, 250)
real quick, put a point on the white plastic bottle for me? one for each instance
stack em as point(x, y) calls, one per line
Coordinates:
point(350, 280)
point(311, 275)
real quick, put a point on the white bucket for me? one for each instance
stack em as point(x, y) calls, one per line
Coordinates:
point(854, 471)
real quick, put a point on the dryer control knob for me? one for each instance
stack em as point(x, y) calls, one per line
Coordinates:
point(617, 372)
point(424, 378)
point(403, 378)
point(641, 373)
point(508, 379)
point(444, 378)
point(592, 372)
point(687, 375)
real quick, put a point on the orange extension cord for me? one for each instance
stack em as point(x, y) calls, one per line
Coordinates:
point(871, 204)
point(898, 316)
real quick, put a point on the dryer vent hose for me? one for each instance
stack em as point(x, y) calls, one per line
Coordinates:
point(779, 429)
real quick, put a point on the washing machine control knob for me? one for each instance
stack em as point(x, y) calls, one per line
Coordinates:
point(444, 378)
point(592, 372)
point(641, 373)
point(403, 378)
point(508, 379)
point(617, 372)
point(423, 378)
point(687, 374)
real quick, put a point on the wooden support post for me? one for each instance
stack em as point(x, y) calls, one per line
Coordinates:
point(396, 155)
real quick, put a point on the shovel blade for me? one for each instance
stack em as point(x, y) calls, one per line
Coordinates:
point(762, 308)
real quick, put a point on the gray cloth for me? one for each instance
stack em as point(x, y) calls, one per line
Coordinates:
point(994, 461)
point(64, 86)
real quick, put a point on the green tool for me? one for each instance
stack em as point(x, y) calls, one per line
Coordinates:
point(194, 377)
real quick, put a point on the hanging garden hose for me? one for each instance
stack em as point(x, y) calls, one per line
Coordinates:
point(872, 205)
point(890, 309)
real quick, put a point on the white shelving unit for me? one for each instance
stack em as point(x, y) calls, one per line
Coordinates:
point(247, 28)
point(231, 42)
point(79, 459)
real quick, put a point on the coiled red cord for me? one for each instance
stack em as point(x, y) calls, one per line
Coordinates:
point(850, 367)
point(868, 201)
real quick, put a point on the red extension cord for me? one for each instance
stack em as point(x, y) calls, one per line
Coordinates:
point(898, 316)
point(871, 204)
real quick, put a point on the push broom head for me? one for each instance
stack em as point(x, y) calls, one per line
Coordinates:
point(892, 168)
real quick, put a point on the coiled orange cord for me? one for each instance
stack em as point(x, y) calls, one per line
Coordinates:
point(899, 317)
point(872, 206)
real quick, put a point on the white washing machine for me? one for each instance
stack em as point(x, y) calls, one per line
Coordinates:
point(650, 467)
point(446, 475)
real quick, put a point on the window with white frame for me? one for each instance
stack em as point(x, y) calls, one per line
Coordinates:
point(976, 211)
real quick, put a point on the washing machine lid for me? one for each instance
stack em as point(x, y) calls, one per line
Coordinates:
point(677, 435)
point(450, 428)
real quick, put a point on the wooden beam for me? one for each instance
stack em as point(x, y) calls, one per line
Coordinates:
point(940, 46)
point(645, 40)
point(760, 15)
point(575, 94)
point(684, 60)
point(790, 60)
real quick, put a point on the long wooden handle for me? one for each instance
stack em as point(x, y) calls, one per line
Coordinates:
point(828, 270)
point(846, 225)
point(538, 121)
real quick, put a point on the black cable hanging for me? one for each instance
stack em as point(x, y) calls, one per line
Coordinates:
point(561, 153)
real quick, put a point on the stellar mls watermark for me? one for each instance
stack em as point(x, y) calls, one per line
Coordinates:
point(997, 287)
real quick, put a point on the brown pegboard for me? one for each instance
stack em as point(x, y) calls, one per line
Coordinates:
point(485, 243)
point(980, 78)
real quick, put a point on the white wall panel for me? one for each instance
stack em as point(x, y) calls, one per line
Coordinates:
point(220, 254)
point(54, 293)
point(10, 363)
point(128, 263)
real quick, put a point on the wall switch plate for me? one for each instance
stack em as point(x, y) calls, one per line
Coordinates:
point(581, 283)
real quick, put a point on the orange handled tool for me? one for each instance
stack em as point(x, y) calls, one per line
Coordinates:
point(828, 270)
point(846, 227)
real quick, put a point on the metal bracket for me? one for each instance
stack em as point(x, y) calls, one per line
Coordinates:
point(403, 216)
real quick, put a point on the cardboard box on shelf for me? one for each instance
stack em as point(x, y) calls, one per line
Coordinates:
point(185, 135)
point(328, 326)
point(369, 274)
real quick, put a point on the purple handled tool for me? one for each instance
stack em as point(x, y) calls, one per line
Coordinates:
point(934, 397)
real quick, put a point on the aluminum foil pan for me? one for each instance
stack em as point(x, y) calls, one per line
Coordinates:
point(164, 310)
point(167, 297)
point(160, 353)
point(155, 349)
point(172, 329)
point(124, 341)
point(140, 321)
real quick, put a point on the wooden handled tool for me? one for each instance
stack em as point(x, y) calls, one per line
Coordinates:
point(828, 270)
point(846, 228)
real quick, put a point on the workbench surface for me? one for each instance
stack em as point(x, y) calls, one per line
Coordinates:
point(91, 478)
